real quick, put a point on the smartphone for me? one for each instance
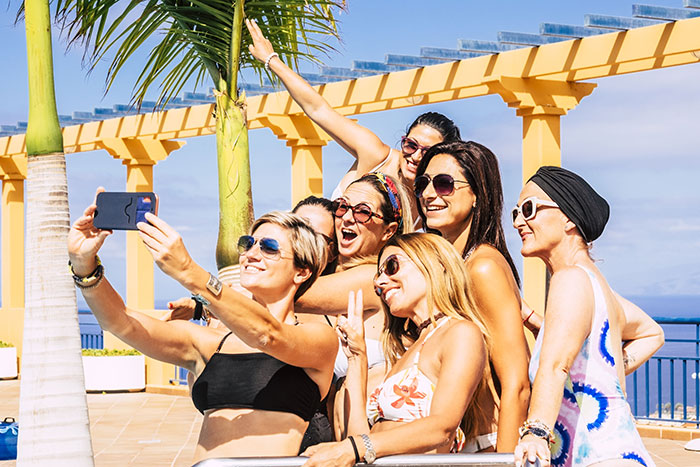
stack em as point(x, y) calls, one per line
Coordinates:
point(118, 210)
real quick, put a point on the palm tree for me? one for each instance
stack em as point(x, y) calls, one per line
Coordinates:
point(52, 403)
point(189, 40)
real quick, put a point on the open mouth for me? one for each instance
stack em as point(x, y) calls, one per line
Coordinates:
point(434, 208)
point(348, 235)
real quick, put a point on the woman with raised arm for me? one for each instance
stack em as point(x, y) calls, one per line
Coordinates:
point(578, 415)
point(436, 344)
point(258, 384)
point(460, 196)
point(370, 152)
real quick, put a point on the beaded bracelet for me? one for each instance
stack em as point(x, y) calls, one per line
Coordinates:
point(92, 279)
point(269, 58)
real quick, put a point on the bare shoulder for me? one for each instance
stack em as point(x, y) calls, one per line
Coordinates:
point(570, 289)
point(460, 332)
point(487, 262)
point(570, 277)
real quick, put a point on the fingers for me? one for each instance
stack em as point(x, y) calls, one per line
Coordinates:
point(160, 224)
point(356, 317)
point(100, 189)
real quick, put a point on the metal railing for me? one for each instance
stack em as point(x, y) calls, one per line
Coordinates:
point(411, 460)
point(91, 336)
point(666, 387)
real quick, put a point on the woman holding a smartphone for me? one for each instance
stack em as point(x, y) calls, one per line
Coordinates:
point(258, 384)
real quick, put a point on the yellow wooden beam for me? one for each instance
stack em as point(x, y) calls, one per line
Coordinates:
point(651, 47)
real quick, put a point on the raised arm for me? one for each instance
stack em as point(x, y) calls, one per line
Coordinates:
point(312, 346)
point(328, 295)
point(498, 300)
point(363, 144)
point(179, 343)
point(567, 324)
point(641, 335)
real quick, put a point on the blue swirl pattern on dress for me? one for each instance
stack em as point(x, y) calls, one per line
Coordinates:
point(595, 422)
point(605, 343)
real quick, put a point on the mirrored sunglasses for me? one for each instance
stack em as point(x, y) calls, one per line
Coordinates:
point(269, 247)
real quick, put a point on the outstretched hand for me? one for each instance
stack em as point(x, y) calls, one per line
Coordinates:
point(85, 240)
point(182, 308)
point(352, 329)
point(261, 48)
point(336, 454)
point(530, 449)
point(166, 247)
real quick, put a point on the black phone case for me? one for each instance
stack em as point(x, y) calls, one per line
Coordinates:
point(123, 210)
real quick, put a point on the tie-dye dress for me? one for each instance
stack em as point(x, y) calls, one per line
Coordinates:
point(595, 422)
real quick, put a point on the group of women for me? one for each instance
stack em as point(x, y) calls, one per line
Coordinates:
point(433, 355)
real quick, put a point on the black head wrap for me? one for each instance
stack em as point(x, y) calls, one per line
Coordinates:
point(576, 199)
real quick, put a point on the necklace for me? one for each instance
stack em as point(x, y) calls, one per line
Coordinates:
point(428, 321)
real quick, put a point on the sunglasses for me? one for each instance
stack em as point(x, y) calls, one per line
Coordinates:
point(443, 184)
point(528, 208)
point(390, 267)
point(410, 146)
point(269, 247)
point(361, 212)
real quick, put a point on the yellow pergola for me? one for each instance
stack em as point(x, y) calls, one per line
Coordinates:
point(542, 83)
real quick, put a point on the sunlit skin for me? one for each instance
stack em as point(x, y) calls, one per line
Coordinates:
point(497, 295)
point(264, 323)
point(425, 136)
point(552, 237)
point(441, 361)
point(449, 214)
point(355, 238)
point(321, 221)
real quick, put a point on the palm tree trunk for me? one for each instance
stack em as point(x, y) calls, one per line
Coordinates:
point(53, 408)
point(235, 195)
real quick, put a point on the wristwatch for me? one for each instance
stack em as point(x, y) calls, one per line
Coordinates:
point(370, 453)
point(214, 285)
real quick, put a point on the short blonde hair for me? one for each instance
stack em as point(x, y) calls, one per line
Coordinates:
point(308, 247)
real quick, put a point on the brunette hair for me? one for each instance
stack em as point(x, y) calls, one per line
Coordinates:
point(327, 205)
point(480, 168)
point(438, 122)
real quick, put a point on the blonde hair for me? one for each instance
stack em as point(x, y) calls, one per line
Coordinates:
point(448, 291)
point(308, 247)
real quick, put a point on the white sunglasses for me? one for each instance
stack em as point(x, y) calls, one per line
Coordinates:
point(528, 208)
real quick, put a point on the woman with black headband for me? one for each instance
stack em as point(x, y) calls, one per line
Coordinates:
point(578, 414)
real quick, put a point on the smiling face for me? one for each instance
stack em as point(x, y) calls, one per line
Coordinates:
point(544, 231)
point(449, 214)
point(355, 238)
point(425, 136)
point(404, 292)
point(264, 276)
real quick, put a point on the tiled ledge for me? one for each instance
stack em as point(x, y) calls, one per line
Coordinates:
point(668, 432)
point(169, 390)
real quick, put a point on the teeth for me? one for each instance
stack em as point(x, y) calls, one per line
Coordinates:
point(435, 208)
point(389, 293)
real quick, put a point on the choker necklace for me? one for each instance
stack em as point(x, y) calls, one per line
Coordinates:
point(428, 321)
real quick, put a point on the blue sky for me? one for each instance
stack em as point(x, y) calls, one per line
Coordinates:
point(634, 139)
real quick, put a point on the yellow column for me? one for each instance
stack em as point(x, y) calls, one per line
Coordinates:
point(139, 263)
point(306, 140)
point(541, 146)
point(540, 103)
point(13, 243)
point(13, 171)
point(307, 168)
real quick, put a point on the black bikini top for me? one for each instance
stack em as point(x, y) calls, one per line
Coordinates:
point(255, 381)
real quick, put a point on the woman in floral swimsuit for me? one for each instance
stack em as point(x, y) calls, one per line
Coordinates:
point(435, 342)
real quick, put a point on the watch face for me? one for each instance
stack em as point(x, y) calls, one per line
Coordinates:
point(214, 285)
point(370, 456)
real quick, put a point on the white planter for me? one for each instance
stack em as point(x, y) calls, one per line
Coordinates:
point(8, 362)
point(119, 373)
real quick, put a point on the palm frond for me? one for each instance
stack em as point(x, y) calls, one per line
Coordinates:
point(186, 40)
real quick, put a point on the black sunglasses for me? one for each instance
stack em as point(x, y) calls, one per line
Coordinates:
point(269, 247)
point(443, 184)
point(390, 267)
point(361, 211)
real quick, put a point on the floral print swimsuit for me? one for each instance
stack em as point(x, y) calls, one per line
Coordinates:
point(407, 396)
point(595, 422)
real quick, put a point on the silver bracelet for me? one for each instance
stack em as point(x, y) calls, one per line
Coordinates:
point(269, 58)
